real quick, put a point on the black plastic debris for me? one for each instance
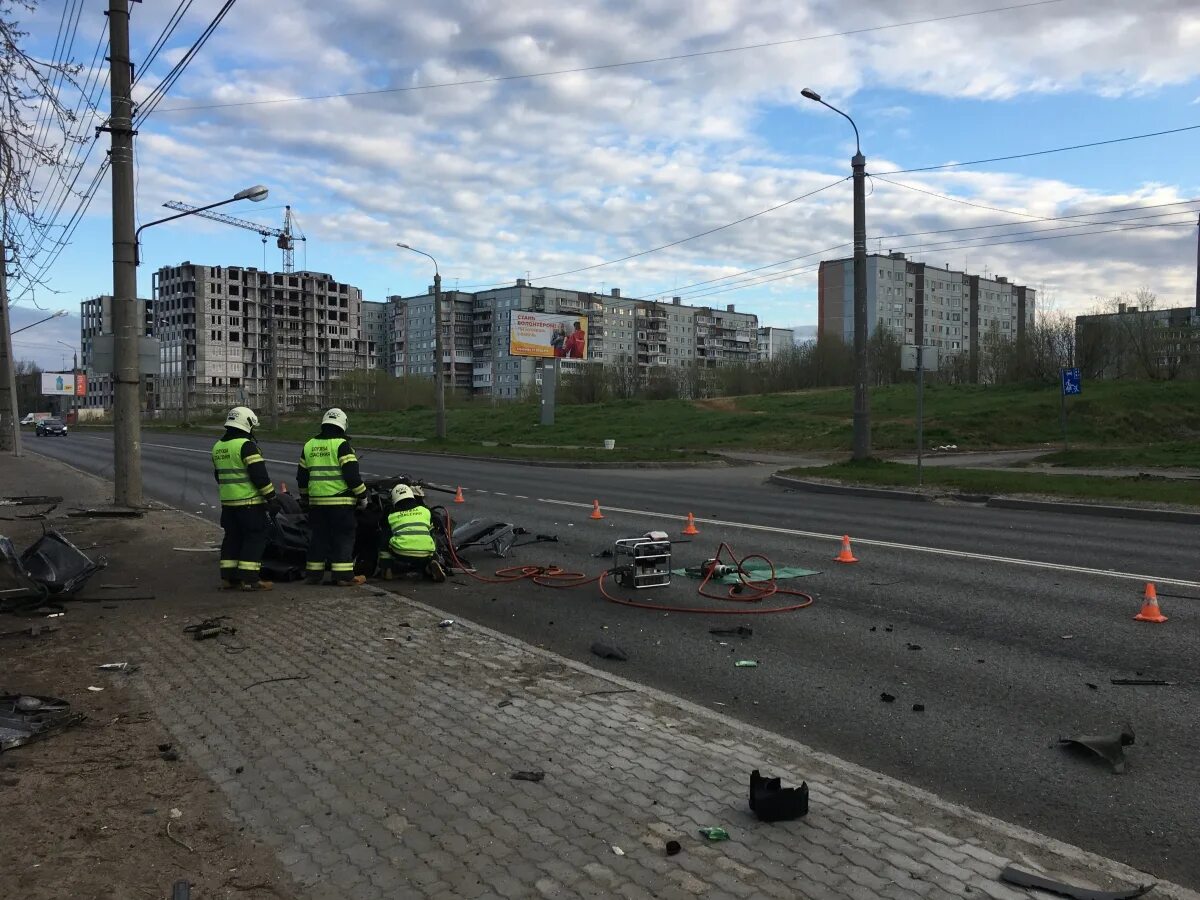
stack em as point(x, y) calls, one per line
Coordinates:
point(772, 802)
point(887, 698)
point(913, 646)
point(740, 631)
point(496, 536)
point(209, 628)
point(1029, 880)
point(25, 718)
point(673, 848)
point(182, 890)
point(607, 651)
point(528, 776)
point(1148, 682)
point(1109, 747)
point(58, 565)
point(918, 707)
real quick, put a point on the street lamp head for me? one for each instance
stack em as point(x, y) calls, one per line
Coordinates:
point(256, 193)
point(811, 95)
point(59, 314)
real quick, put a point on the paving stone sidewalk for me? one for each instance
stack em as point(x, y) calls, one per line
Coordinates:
point(373, 749)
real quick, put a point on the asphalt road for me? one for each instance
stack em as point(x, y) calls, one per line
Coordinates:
point(1014, 614)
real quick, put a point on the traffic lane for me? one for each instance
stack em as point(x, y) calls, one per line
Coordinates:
point(1133, 546)
point(986, 736)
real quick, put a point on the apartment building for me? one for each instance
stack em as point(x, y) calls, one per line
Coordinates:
point(376, 328)
point(775, 342)
point(924, 304)
point(215, 325)
point(643, 333)
point(95, 319)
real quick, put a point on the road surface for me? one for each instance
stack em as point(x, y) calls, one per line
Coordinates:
point(998, 621)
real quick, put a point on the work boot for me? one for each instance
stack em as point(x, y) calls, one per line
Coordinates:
point(314, 579)
point(435, 571)
point(352, 582)
point(387, 575)
point(257, 585)
point(228, 584)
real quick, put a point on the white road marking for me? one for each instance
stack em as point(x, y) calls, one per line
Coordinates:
point(497, 493)
point(940, 551)
point(520, 497)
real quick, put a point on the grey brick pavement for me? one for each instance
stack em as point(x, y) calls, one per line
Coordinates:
point(384, 772)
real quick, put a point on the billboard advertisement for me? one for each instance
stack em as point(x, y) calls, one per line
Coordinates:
point(547, 335)
point(64, 384)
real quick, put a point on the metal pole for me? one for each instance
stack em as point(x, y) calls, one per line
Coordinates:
point(1062, 408)
point(549, 390)
point(272, 371)
point(439, 374)
point(862, 403)
point(10, 428)
point(920, 411)
point(127, 462)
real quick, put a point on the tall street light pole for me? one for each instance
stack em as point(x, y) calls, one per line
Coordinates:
point(439, 376)
point(862, 400)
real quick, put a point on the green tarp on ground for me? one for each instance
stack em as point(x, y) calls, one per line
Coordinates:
point(752, 574)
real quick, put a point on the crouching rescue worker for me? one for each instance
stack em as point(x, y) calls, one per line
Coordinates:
point(410, 546)
point(331, 488)
point(246, 492)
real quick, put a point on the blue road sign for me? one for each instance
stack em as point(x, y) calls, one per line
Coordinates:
point(1071, 382)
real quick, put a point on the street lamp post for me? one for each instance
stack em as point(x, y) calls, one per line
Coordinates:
point(439, 379)
point(127, 329)
point(862, 400)
point(74, 379)
point(56, 315)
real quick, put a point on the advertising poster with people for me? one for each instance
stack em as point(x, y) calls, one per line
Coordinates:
point(547, 336)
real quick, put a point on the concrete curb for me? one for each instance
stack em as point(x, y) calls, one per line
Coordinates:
point(820, 487)
point(1179, 517)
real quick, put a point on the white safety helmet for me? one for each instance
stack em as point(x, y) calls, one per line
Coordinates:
point(242, 418)
point(402, 492)
point(336, 417)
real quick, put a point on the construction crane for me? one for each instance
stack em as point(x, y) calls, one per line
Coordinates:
point(285, 238)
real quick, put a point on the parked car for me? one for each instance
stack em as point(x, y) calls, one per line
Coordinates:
point(52, 427)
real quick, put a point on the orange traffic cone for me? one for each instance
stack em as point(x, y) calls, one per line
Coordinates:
point(1150, 611)
point(596, 514)
point(691, 525)
point(458, 497)
point(846, 556)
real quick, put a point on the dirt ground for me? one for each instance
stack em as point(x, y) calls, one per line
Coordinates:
point(97, 812)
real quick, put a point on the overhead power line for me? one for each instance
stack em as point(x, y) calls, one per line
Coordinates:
point(493, 79)
point(148, 105)
point(169, 29)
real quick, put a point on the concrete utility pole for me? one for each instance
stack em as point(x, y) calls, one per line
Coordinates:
point(127, 451)
point(862, 399)
point(1198, 263)
point(10, 416)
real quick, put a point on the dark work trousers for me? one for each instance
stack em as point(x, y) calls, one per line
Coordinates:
point(244, 542)
point(332, 542)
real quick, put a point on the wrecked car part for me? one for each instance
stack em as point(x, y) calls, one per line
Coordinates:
point(1029, 880)
point(59, 565)
point(209, 628)
point(1151, 682)
point(30, 501)
point(15, 583)
point(1109, 747)
point(887, 698)
point(772, 802)
point(741, 631)
point(536, 775)
point(608, 651)
point(25, 718)
point(31, 631)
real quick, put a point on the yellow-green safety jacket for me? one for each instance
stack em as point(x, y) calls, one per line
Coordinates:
point(328, 472)
point(411, 532)
point(241, 472)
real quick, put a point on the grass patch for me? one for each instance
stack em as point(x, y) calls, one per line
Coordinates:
point(983, 481)
point(1171, 454)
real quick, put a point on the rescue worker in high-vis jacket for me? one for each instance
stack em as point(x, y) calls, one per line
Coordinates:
point(410, 546)
point(246, 494)
point(331, 488)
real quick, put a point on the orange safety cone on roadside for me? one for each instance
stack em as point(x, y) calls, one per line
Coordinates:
point(691, 525)
point(1150, 611)
point(596, 514)
point(458, 497)
point(847, 555)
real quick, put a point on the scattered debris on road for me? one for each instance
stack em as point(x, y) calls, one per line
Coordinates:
point(51, 566)
point(918, 707)
point(106, 514)
point(31, 631)
point(1029, 880)
point(1151, 682)
point(209, 628)
point(1109, 747)
point(715, 833)
point(746, 664)
point(673, 847)
point(535, 776)
point(887, 698)
point(772, 802)
point(617, 851)
point(30, 501)
point(609, 651)
point(445, 623)
point(913, 646)
point(740, 631)
point(25, 718)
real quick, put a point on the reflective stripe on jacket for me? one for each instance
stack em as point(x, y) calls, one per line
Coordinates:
point(410, 532)
point(233, 473)
point(326, 485)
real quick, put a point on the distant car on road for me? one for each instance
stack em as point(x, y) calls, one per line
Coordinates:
point(34, 418)
point(52, 427)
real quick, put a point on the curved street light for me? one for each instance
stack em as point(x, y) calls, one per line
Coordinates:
point(439, 376)
point(255, 193)
point(862, 400)
point(57, 315)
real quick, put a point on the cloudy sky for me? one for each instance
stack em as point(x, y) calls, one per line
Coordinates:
point(507, 176)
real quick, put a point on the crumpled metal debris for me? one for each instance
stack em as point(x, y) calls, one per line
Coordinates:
point(58, 565)
point(1109, 747)
point(1029, 880)
point(25, 718)
point(772, 802)
point(608, 651)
